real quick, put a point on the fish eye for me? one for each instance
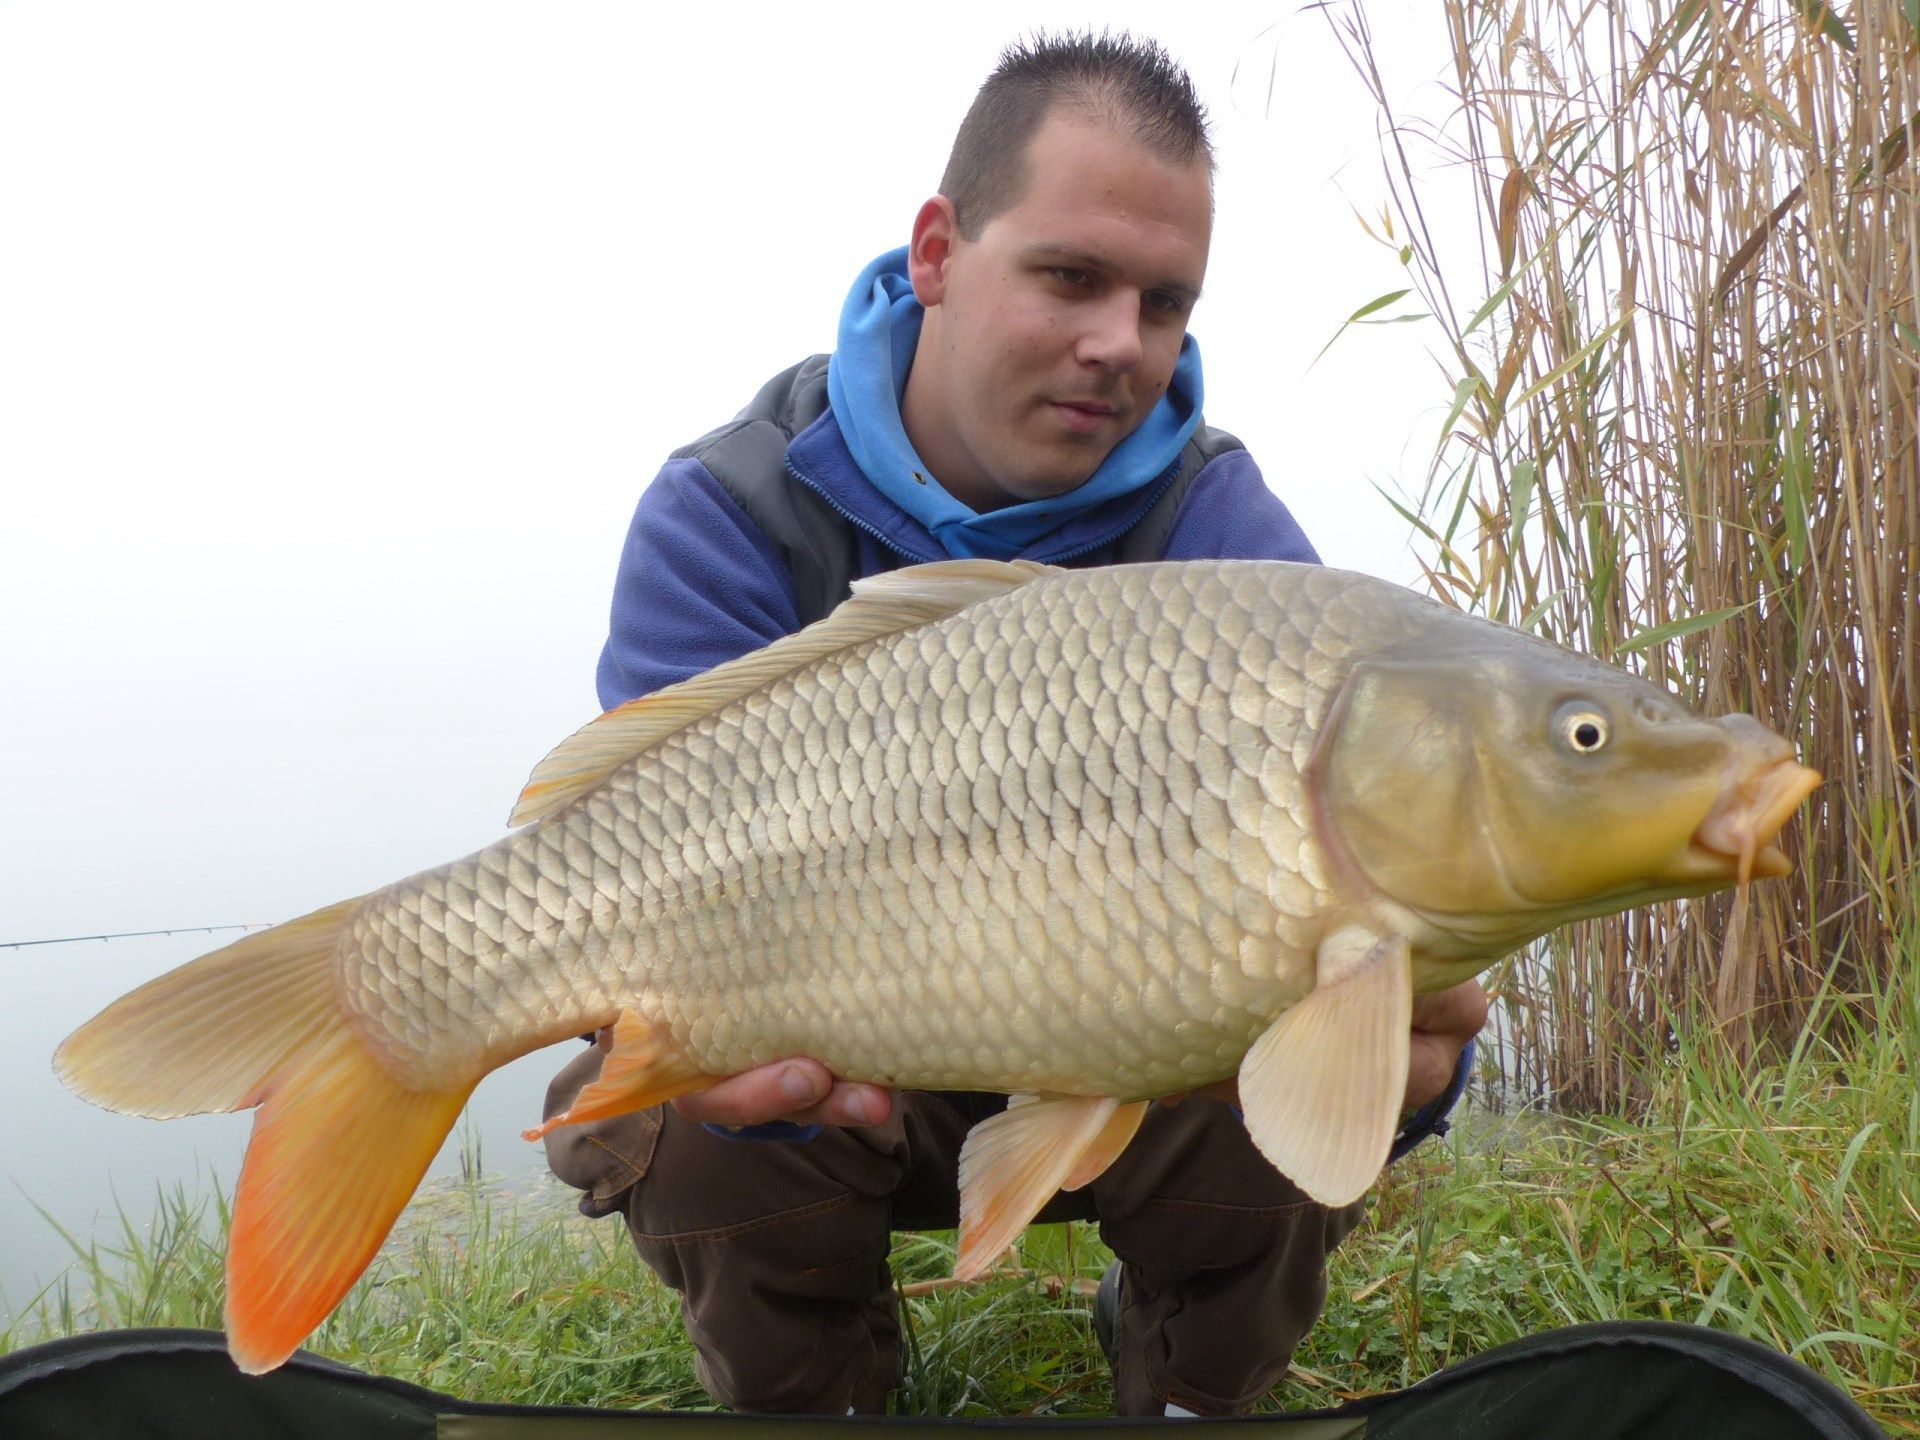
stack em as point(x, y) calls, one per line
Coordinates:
point(1581, 727)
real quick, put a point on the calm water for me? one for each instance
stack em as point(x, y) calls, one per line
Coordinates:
point(72, 1161)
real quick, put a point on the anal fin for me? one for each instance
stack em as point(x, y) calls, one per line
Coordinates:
point(1322, 1088)
point(1105, 1147)
point(642, 1069)
point(1014, 1162)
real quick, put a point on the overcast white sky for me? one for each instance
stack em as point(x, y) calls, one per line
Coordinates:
point(337, 341)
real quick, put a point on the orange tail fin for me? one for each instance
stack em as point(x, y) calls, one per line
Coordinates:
point(338, 1146)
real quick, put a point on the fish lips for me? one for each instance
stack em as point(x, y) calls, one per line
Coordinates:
point(1735, 840)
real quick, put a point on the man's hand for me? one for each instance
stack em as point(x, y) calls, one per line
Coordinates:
point(799, 1090)
point(1443, 1022)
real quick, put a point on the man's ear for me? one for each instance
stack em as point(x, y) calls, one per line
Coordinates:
point(936, 234)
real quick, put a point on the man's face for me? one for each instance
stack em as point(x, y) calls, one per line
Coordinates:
point(1051, 335)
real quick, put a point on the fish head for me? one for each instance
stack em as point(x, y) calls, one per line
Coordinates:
point(1510, 786)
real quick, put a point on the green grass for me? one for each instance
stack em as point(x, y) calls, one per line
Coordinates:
point(1781, 1203)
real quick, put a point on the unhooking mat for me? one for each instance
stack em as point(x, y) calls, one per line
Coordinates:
point(1615, 1381)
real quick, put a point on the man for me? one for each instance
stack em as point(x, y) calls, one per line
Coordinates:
point(1017, 381)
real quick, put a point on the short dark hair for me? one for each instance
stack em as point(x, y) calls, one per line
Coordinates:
point(1132, 85)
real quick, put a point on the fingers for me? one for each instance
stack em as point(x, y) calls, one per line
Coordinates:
point(1458, 1013)
point(1443, 1022)
point(848, 1103)
point(1430, 1063)
point(799, 1090)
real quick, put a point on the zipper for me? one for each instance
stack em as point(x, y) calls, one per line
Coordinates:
point(1116, 536)
point(859, 524)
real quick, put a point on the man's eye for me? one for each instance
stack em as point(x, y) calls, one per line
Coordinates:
point(1165, 302)
point(1068, 275)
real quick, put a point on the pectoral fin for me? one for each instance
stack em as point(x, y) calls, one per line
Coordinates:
point(1015, 1162)
point(642, 1069)
point(1322, 1088)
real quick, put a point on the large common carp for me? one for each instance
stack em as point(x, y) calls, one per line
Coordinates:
point(1085, 837)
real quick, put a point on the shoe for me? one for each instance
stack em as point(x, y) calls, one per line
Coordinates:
point(1106, 1310)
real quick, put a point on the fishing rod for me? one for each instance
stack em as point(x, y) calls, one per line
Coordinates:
point(128, 935)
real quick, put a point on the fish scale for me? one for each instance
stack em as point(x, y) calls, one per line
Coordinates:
point(798, 871)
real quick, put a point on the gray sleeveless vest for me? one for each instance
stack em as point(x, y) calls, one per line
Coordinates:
point(748, 456)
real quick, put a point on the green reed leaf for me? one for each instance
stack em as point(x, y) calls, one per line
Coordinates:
point(1675, 629)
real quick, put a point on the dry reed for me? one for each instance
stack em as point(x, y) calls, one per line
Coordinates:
point(1682, 435)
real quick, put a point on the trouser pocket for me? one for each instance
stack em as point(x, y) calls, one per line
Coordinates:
point(605, 1158)
point(778, 1250)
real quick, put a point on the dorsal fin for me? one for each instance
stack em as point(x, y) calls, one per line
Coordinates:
point(880, 605)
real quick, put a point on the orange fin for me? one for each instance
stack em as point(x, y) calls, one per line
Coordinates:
point(1105, 1147)
point(1322, 1088)
point(338, 1147)
point(643, 1069)
point(1015, 1162)
point(210, 1034)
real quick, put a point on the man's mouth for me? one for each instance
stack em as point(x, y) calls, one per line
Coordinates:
point(1084, 417)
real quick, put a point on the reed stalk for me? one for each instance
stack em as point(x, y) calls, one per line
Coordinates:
point(1683, 353)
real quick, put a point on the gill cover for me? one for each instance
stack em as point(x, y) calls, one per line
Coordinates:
point(1400, 796)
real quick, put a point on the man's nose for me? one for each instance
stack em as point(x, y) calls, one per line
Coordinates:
point(1112, 337)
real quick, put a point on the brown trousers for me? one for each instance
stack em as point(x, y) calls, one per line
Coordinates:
point(778, 1249)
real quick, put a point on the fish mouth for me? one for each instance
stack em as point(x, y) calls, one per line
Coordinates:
point(1735, 841)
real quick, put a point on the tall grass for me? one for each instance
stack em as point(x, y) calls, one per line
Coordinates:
point(1681, 433)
